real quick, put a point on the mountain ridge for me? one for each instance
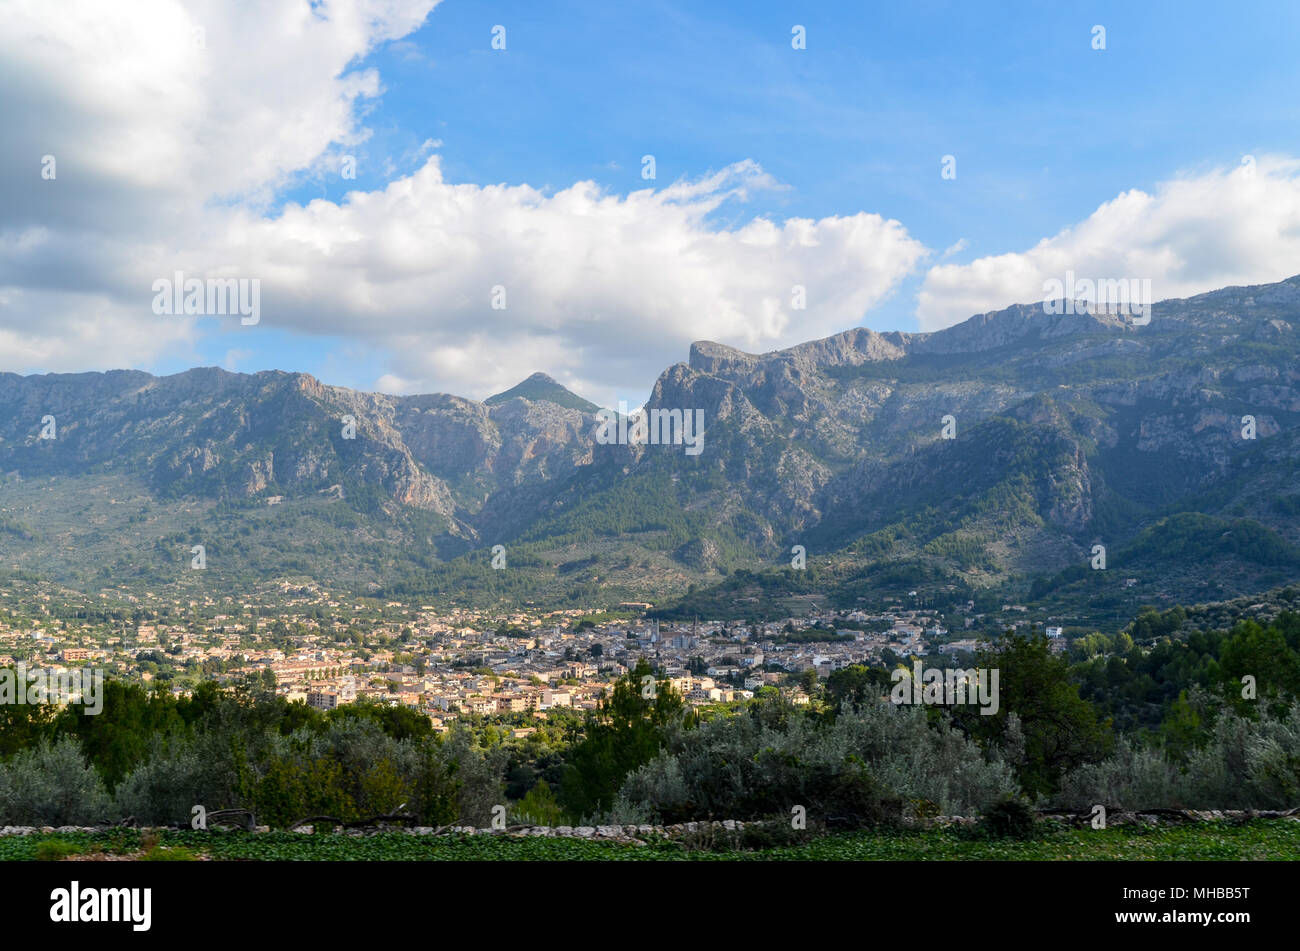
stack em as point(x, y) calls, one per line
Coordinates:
point(1068, 431)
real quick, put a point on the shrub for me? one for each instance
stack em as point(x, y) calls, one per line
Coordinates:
point(1009, 819)
point(539, 807)
point(52, 785)
point(1132, 778)
point(1246, 764)
point(179, 774)
point(854, 770)
point(772, 834)
point(52, 850)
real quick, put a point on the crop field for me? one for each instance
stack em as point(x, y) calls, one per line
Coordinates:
point(1257, 840)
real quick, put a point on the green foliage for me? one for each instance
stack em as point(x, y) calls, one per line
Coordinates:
point(626, 731)
point(1183, 728)
point(1193, 537)
point(1141, 685)
point(1273, 839)
point(855, 769)
point(51, 785)
point(116, 739)
point(539, 807)
point(1244, 762)
point(1151, 623)
point(162, 854)
point(856, 686)
point(289, 790)
point(24, 725)
point(401, 723)
point(1009, 819)
point(811, 635)
point(435, 791)
point(52, 850)
point(1042, 723)
point(1264, 654)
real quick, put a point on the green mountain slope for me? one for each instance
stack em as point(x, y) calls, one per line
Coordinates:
point(1067, 431)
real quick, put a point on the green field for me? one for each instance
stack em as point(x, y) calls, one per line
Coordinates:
point(1215, 841)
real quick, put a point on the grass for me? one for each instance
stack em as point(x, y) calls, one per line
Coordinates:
point(51, 850)
point(1213, 841)
point(176, 854)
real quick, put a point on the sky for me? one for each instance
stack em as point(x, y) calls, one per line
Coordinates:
point(448, 196)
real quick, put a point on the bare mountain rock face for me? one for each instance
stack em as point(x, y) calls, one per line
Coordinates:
point(1003, 446)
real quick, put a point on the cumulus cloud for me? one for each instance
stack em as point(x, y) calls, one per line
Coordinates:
point(175, 125)
point(156, 118)
point(74, 332)
point(1196, 233)
point(594, 285)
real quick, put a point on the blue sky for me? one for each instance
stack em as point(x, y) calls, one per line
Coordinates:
point(1044, 130)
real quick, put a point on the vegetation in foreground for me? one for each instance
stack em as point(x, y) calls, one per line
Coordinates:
point(1256, 840)
point(1210, 721)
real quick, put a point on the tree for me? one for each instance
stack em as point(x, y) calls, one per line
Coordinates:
point(382, 789)
point(24, 725)
point(1182, 728)
point(540, 807)
point(858, 685)
point(435, 797)
point(1261, 653)
point(117, 739)
point(400, 722)
point(1061, 729)
point(626, 731)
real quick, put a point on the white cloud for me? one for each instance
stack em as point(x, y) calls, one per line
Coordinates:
point(596, 285)
point(153, 136)
point(71, 332)
point(169, 154)
point(1194, 234)
point(125, 98)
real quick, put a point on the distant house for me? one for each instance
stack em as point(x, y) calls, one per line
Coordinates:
point(326, 699)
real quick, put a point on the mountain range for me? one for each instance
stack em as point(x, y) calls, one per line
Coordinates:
point(988, 459)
